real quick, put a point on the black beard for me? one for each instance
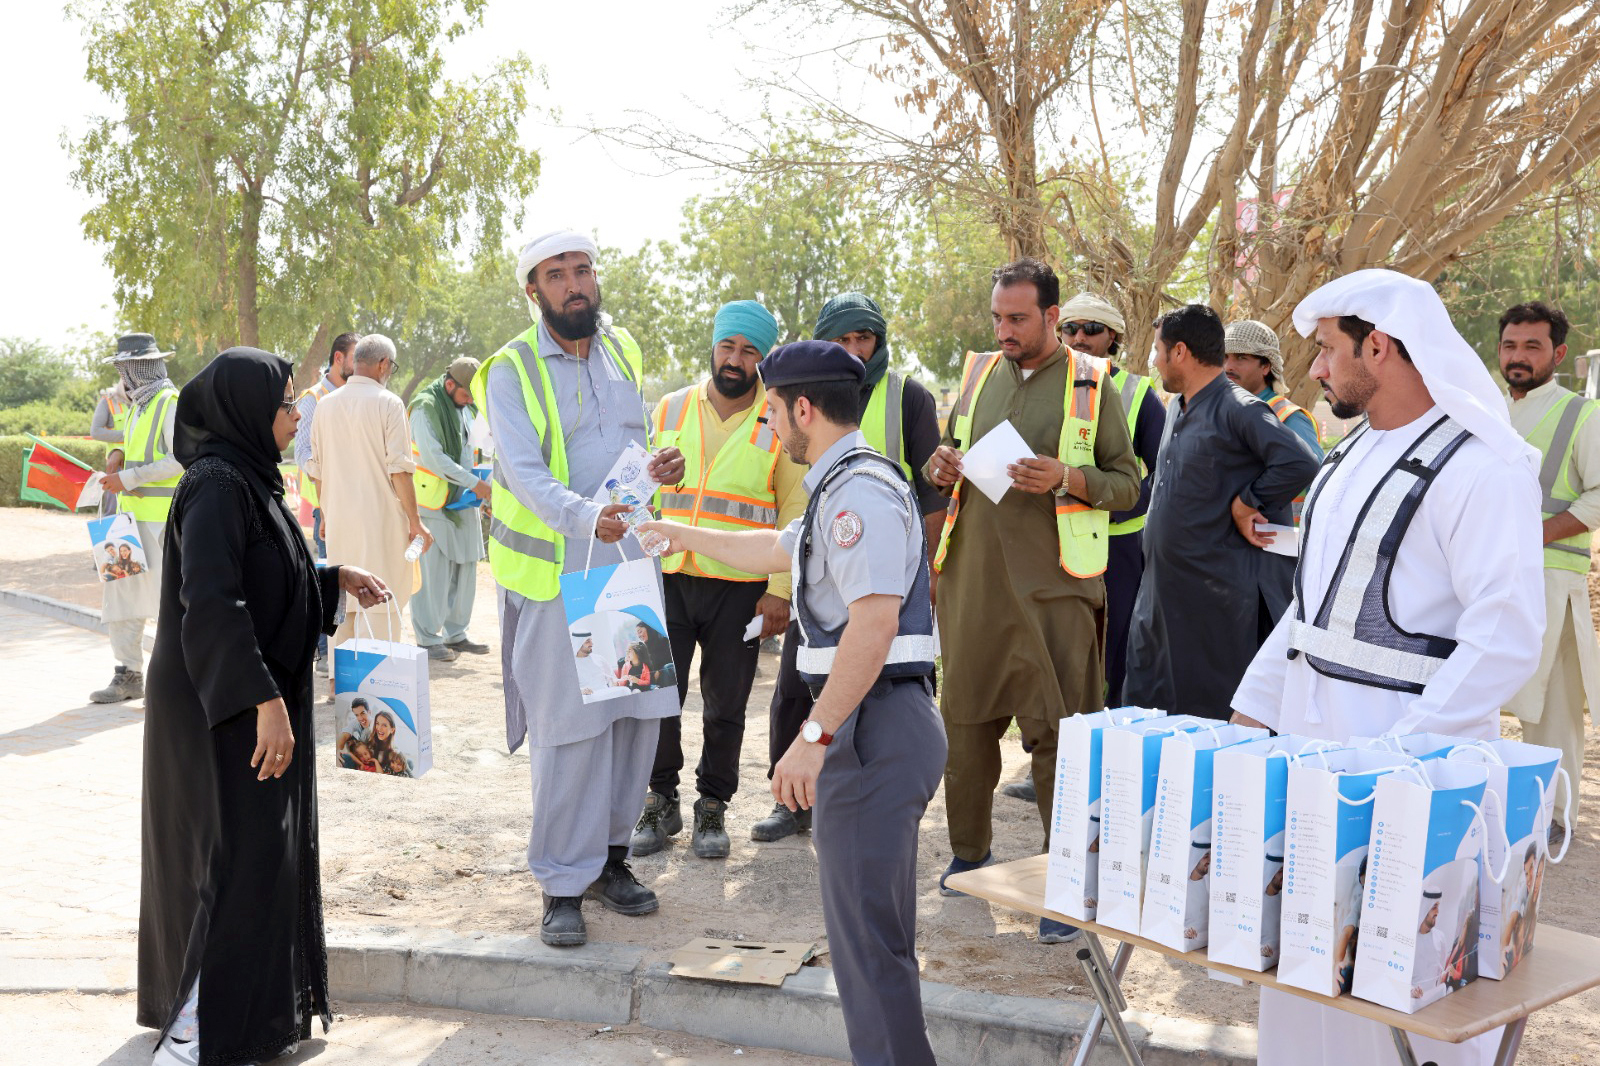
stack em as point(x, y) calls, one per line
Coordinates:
point(572, 325)
point(733, 388)
point(1341, 409)
point(1533, 380)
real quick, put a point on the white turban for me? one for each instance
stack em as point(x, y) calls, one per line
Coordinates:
point(1087, 307)
point(1410, 310)
point(550, 244)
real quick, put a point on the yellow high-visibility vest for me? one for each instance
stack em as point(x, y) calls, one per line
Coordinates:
point(1082, 531)
point(141, 446)
point(883, 423)
point(525, 555)
point(1555, 436)
point(1285, 408)
point(1133, 388)
point(735, 489)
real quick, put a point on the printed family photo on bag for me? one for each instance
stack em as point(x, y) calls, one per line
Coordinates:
point(375, 735)
point(117, 552)
point(619, 641)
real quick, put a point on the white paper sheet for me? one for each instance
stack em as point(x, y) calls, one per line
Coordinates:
point(90, 496)
point(753, 630)
point(1286, 541)
point(985, 462)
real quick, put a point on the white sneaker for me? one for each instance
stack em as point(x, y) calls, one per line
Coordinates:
point(172, 1052)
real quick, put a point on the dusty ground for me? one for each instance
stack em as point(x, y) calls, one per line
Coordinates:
point(448, 850)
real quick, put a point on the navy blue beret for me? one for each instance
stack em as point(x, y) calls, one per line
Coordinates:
point(803, 362)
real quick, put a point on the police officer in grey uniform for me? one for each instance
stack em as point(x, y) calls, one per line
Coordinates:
point(871, 755)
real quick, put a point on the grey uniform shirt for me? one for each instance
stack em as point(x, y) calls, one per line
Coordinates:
point(882, 561)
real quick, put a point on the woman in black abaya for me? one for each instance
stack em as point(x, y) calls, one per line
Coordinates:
point(232, 963)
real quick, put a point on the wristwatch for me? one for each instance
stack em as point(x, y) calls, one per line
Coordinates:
point(812, 733)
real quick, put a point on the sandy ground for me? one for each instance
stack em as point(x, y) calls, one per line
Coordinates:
point(448, 850)
point(73, 1030)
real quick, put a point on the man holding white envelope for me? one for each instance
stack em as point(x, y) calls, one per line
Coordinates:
point(1021, 598)
point(1398, 625)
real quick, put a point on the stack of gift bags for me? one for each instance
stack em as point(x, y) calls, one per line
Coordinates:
point(1395, 869)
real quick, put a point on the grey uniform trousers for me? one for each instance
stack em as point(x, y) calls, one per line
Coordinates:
point(880, 772)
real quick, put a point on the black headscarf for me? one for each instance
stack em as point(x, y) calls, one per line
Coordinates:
point(227, 411)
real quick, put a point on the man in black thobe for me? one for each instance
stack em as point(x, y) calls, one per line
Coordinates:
point(1211, 591)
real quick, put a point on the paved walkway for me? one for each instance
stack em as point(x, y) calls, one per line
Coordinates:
point(71, 769)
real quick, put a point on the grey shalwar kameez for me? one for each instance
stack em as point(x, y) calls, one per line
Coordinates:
point(1209, 597)
point(442, 607)
point(879, 773)
point(128, 602)
point(589, 762)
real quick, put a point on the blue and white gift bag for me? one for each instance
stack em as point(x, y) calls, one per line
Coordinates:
point(1329, 816)
point(1072, 876)
point(381, 712)
point(1177, 880)
point(1419, 910)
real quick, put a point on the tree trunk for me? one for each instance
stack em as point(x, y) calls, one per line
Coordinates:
point(316, 356)
point(246, 264)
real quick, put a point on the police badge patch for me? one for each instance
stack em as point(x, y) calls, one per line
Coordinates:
point(847, 528)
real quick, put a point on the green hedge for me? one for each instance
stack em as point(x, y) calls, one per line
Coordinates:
point(13, 448)
point(46, 418)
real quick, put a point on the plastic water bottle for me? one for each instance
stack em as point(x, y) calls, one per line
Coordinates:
point(414, 549)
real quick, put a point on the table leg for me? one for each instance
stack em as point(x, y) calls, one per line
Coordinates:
point(1105, 991)
point(1510, 1043)
point(1402, 1047)
point(1097, 1018)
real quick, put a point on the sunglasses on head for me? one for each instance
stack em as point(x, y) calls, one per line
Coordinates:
point(1088, 329)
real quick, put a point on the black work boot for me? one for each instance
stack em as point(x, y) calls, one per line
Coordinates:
point(782, 822)
point(125, 685)
point(563, 926)
point(710, 837)
point(662, 817)
point(1022, 790)
point(618, 890)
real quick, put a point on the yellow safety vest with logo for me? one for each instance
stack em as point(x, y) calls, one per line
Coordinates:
point(882, 423)
point(525, 555)
point(119, 414)
point(308, 487)
point(1133, 388)
point(734, 489)
point(1285, 408)
point(1555, 436)
point(433, 491)
point(141, 446)
point(1083, 531)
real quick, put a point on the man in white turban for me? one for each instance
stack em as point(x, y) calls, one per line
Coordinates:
point(563, 403)
point(1418, 600)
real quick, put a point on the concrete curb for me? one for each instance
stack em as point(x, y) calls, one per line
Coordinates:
point(614, 984)
point(61, 611)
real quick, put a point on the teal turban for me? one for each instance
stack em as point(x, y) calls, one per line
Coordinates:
point(747, 319)
point(851, 311)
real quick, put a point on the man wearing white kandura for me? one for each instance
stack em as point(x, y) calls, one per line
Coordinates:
point(1397, 626)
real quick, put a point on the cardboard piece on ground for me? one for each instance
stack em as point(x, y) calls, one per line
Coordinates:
point(740, 962)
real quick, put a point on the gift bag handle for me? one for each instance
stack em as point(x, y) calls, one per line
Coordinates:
point(1417, 770)
point(1505, 860)
point(1480, 748)
point(1566, 841)
point(364, 618)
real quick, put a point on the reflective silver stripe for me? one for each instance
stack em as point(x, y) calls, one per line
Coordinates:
point(1556, 457)
point(1573, 548)
point(150, 492)
point(158, 418)
point(909, 648)
point(765, 437)
point(893, 435)
point(1370, 658)
point(527, 352)
point(1375, 524)
point(969, 388)
point(677, 501)
point(521, 543)
point(744, 512)
point(676, 404)
point(1129, 386)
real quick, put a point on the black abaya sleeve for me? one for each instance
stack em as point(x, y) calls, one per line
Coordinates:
point(220, 650)
point(328, 585)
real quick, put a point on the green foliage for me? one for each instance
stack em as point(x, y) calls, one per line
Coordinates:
point(46, 418)
point(464, 311)
point(29, 372)
point(943, 291)
point(13, 448)
point(269, 168)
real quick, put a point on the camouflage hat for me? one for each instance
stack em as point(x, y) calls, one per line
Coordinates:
point(1250, 337)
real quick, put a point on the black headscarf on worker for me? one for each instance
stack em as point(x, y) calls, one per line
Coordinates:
point(851, 311)
point(226, 412)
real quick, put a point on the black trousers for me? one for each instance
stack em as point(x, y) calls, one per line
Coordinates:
point(710, 614)
point(791, 701)
point(1124, 571)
